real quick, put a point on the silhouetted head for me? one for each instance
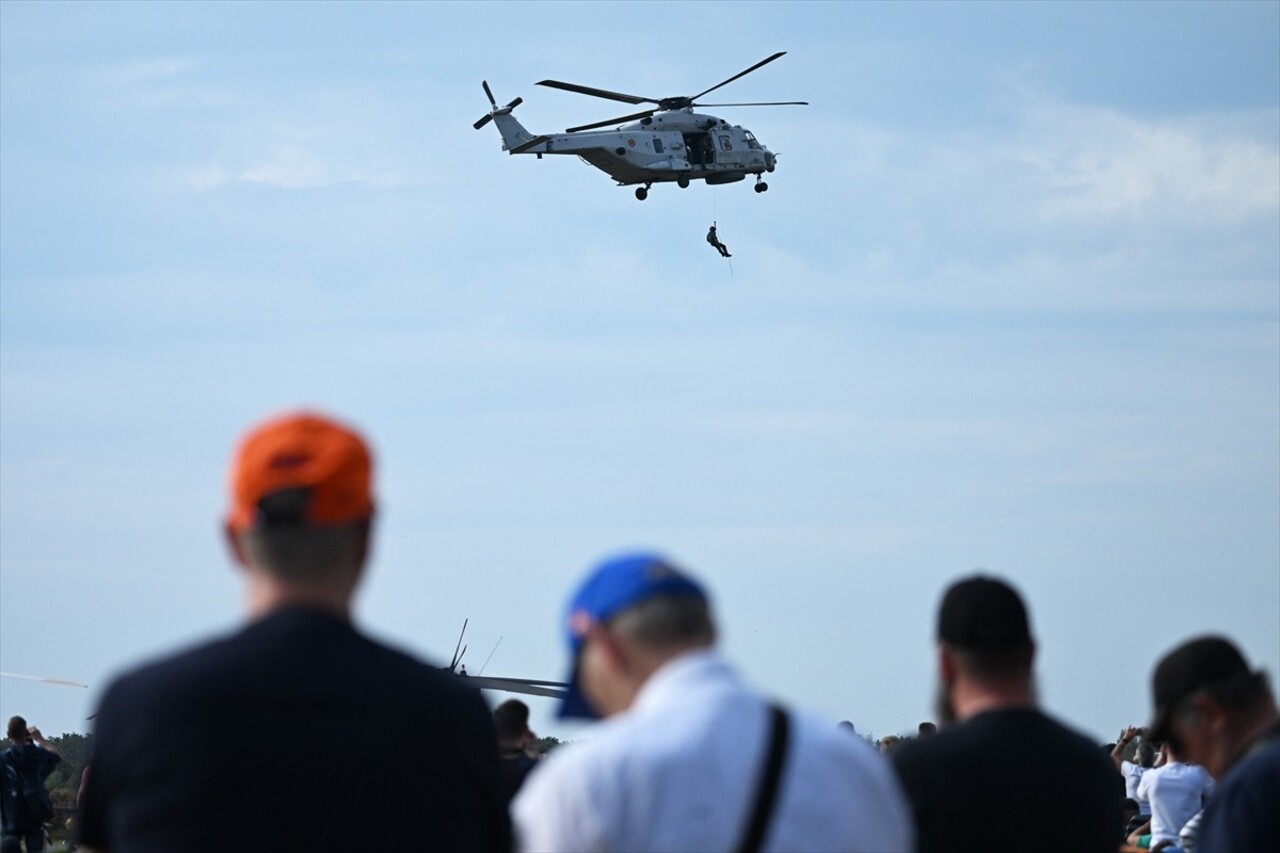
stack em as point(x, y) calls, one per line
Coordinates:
point(512, 720)
point(17, 730)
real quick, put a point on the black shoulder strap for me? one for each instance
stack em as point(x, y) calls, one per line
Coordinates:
point(770, 775)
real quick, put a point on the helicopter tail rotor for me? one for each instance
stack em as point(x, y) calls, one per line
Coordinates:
point(488, 117)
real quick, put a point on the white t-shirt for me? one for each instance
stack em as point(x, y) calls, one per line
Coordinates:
point(678, 771)
point(1176, 792)
point(1132, 776)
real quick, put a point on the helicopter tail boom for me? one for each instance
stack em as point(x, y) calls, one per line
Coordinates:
point(515, 137)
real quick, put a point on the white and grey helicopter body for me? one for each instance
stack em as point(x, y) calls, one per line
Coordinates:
point(669, 143)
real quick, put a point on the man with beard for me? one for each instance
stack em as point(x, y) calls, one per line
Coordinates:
point(969, 785)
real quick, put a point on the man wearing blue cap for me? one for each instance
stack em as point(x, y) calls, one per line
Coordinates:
point(690, 757)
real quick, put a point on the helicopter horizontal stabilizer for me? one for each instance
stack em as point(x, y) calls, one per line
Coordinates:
point(532, 143)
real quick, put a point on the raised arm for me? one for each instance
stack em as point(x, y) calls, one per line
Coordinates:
point(42, 742)
point(1117, 753)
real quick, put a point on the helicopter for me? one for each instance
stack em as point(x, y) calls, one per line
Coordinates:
point(668, 143)
point(527, 686)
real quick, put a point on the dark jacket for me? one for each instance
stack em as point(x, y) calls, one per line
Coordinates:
point(24, 770)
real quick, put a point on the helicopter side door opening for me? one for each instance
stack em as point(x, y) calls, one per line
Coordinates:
point(701, 151)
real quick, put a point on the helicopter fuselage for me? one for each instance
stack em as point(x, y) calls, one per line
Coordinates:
point(667, 146)
point(670, 146)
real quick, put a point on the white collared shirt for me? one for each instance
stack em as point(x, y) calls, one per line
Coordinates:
point(1176, 792)
point(679, 770)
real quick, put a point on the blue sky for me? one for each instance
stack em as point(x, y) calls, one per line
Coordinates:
point(1011, 302)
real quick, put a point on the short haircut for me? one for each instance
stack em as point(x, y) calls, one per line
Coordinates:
point(998, 662)
point(1244, 692)
point(306, 553)
point(1146, 754)
point(667, 621)
point(511, 719)
point(17, 728)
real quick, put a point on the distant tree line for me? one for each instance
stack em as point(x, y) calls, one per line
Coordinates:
point(546, 744)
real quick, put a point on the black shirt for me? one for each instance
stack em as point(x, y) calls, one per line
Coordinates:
point(296, 733)
point(516, 766)
point(1012, 780)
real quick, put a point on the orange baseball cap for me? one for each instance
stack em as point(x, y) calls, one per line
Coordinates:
point(302, 451)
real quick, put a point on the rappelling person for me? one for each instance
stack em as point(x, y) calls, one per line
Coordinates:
point(715, 241)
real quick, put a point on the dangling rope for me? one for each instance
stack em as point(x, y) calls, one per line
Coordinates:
point(715, 211)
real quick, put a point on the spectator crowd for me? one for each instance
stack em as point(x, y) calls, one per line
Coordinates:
point(686, 755)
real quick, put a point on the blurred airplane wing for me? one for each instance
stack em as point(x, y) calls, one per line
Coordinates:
point(63, 681)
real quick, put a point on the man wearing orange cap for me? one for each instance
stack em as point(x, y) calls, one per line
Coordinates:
point(297, 732)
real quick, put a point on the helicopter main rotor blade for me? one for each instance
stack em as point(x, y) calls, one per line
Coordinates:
point(489, 92)
point(453, 664)
point(760, 104)
point(596, 93)
point(490, 657)
point(607, 122)
point(740, 74)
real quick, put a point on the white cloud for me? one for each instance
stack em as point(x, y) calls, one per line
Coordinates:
point(129, 73)
point(290, 168)
point(1098, 163)
point(293, 169)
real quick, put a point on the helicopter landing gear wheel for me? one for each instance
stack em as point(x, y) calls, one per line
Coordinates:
point(682, 182)
point(761, 186)
point(642, 193)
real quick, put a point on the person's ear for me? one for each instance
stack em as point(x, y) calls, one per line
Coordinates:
point(946, 664)
point(366, 537)
point(235, 546)
point(1209, 713)
point(610, 649)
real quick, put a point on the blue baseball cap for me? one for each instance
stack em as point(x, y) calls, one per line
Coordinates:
point(611, 587)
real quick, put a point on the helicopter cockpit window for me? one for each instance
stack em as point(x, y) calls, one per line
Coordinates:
point(725, 144)
point(751, 139)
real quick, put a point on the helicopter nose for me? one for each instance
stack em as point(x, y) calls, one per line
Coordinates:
point(770, 160)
